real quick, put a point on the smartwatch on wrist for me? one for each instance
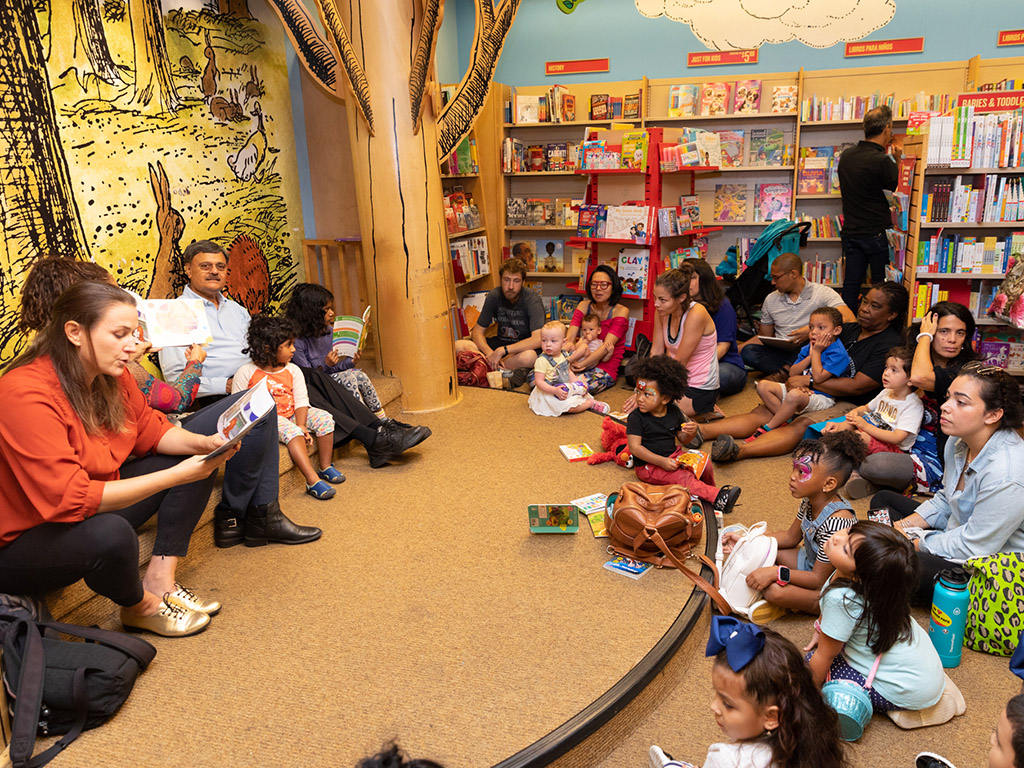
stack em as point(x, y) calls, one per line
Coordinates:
point(782, 577)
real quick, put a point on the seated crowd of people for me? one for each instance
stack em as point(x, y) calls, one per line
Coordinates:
point(85, 430)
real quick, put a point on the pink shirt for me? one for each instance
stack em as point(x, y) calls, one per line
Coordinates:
point(702, 367)
point(617, 326)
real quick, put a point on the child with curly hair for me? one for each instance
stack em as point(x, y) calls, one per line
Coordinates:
point(271, 343)
point(657, 433)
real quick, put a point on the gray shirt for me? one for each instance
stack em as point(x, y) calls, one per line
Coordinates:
point(788, 315)
point(515, 321)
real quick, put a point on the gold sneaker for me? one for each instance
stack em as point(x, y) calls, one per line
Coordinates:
point(763, 612)
point(183, 597)
point(170, 621)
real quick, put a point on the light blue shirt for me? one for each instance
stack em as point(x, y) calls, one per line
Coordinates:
point(229, 324)
point(987, 516)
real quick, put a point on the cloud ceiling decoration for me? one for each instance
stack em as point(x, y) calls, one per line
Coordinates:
point(731, 24)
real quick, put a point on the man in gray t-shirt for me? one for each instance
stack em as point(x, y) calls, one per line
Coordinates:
point(786, 312)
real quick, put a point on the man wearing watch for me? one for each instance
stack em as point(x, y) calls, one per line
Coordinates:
point(519, 315)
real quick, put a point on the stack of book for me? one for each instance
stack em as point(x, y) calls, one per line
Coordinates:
point(822, 226)
point(824, 272)
point(965, 140)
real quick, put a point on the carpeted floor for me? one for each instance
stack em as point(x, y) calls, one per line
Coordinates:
point(429, 614)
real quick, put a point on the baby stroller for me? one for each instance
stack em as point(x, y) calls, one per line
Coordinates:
point(747, 290)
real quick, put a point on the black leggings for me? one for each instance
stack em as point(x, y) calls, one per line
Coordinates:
point(104, 549)
point(929, 565)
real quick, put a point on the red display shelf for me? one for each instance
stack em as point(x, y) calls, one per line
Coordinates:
point(584, 242)
point(698, 232)
point(693, 169)
point(609, 171)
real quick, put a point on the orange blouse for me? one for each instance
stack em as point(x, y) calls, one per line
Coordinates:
point(51, 469)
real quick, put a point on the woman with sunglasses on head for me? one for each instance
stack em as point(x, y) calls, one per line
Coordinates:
point(942, 345)
point(603, 294)
point(978, 509)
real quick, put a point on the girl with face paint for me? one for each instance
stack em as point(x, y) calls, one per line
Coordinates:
point(820, 468)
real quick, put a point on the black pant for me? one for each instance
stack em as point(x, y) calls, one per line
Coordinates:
point(351, 417)
point(104, 549)
point(929, 565)
point(860, 253)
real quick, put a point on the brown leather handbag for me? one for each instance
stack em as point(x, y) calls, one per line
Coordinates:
point(661, 524)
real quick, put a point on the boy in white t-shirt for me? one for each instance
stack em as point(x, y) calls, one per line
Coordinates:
point(891, 421)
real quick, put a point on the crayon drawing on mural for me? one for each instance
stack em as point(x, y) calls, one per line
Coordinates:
point(135, 127)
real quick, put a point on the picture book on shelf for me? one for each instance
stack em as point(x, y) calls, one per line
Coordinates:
point(527, 109)
point(599, 107)
point(557, 156)
point(591, 221)
point(784, 99)
point(689, 206)
point(627, 566)
point(553, 518)
point(576, 451)
point(748, 97)
point(682, 100)
point(767, 146)
point(173, 322)
point(631, 106)
point(627, 222)
point(774, 201)
point(632, 271)
point(526, 252)
point(569, 107)
point(709, 148)
point(536, 158)
point(714, 99)
point(566, 306)
point(812, 176)
point(731, 144)
point(349, 334)
point(472, 306)
point(634, 150)
point(668, 222)
point(730, 202)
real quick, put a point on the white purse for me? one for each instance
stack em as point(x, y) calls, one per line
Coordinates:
point(750, 551)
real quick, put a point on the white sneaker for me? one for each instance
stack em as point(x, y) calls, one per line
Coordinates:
point(931, 760)
point(656, 758)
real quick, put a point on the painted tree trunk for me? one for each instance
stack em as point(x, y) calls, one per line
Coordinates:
point(401, 212)
point(154, 89)
point(77, 39)
point(237, 8)
point(38, 212)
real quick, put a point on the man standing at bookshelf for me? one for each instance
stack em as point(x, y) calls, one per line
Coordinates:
point(865, 172)
point(785, 313)
point(519, 314)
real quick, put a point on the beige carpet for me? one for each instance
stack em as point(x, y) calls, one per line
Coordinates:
point(429, 614)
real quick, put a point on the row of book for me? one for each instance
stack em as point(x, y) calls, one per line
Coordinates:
point(677, 220)
point(461, 213)
point(742, 97)
point(769, 202)
point(965, 254)
point(616, 222)
point(542, 211)
point(964, 140)
point(469, 258)
point(559, 106)
point(631, 154)
point(822, 226)
point(463, 159)
point(548, 255)
point(817, 170)
point(1002, 85)
point(757, 147)
point(815, 109)
point(519, 157)
point(824, 272)
point(927, 295)
point(977, 199)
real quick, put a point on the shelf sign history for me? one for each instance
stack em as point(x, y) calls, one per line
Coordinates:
point(575, 66)
point(713, 58)
point(885, 47)
point(992, 101)
point(1011, 37)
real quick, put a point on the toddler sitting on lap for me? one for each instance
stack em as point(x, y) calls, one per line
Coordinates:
point(823, 357)
point(557, 389)
point(590, 329)
point(657, 432)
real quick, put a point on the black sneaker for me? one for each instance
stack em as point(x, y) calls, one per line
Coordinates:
point(931, 760)
point(416, 434)
point(519, 377)
point(726, 498)
point(390, 442)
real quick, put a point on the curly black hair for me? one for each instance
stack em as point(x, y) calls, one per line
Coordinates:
point(842, 453)
point(306, 310)
point(668, 373)
point(266, 334)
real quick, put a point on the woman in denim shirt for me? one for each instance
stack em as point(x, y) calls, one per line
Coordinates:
point(980, 508)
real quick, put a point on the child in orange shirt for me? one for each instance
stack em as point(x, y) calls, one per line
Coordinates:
point(271, 346)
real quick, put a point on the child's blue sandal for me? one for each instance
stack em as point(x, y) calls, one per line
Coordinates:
point(331, 475)
point(320, 490)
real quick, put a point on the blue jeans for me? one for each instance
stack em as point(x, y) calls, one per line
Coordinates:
point(731, 379)
point(861, 253)
point(765, 359)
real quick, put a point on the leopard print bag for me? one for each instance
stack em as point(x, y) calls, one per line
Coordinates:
point(996, 609)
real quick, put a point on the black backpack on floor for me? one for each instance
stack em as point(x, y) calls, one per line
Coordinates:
point(64, 687)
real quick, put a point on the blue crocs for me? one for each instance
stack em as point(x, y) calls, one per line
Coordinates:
point(331, 475)
point(320, 490)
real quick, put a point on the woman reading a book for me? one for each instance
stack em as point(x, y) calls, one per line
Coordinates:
point(73, 419)
point(603, 294)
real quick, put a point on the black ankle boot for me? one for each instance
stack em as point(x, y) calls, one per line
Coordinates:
point(267, 524)
point(227, 528)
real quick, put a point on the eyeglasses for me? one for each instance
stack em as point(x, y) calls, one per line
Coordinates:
point(600, 284)
point(212, 267)
point(980, 369)
point(781, 274)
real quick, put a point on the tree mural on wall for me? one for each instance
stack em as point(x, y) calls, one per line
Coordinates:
point(379, 55)
point(154, 86)
point(77, 40)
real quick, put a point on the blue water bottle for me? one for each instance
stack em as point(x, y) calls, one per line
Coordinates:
point(949, 615)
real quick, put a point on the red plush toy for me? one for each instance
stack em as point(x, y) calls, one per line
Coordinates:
point(616, 447)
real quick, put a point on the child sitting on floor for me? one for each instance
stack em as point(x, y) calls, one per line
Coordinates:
point(590, 329)
point(557, 389)
point(657, 432)
point(765, 703)
point(820, 468)
point(823, 357)
point(271, 343)
point(891, 421)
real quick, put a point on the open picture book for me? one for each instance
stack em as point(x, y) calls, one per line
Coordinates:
point(173, 322)
point(244, 414)
point(349, 333)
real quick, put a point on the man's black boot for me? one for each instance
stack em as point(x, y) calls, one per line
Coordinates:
point(227, 528)
point(416, 434)
point(267, 524)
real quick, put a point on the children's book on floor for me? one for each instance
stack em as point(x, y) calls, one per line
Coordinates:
point(597, 525)
point(553, 518)
point(173, 322)
point(576, 451)
point(595, 502)
point(349, 333)
point(627, 566)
